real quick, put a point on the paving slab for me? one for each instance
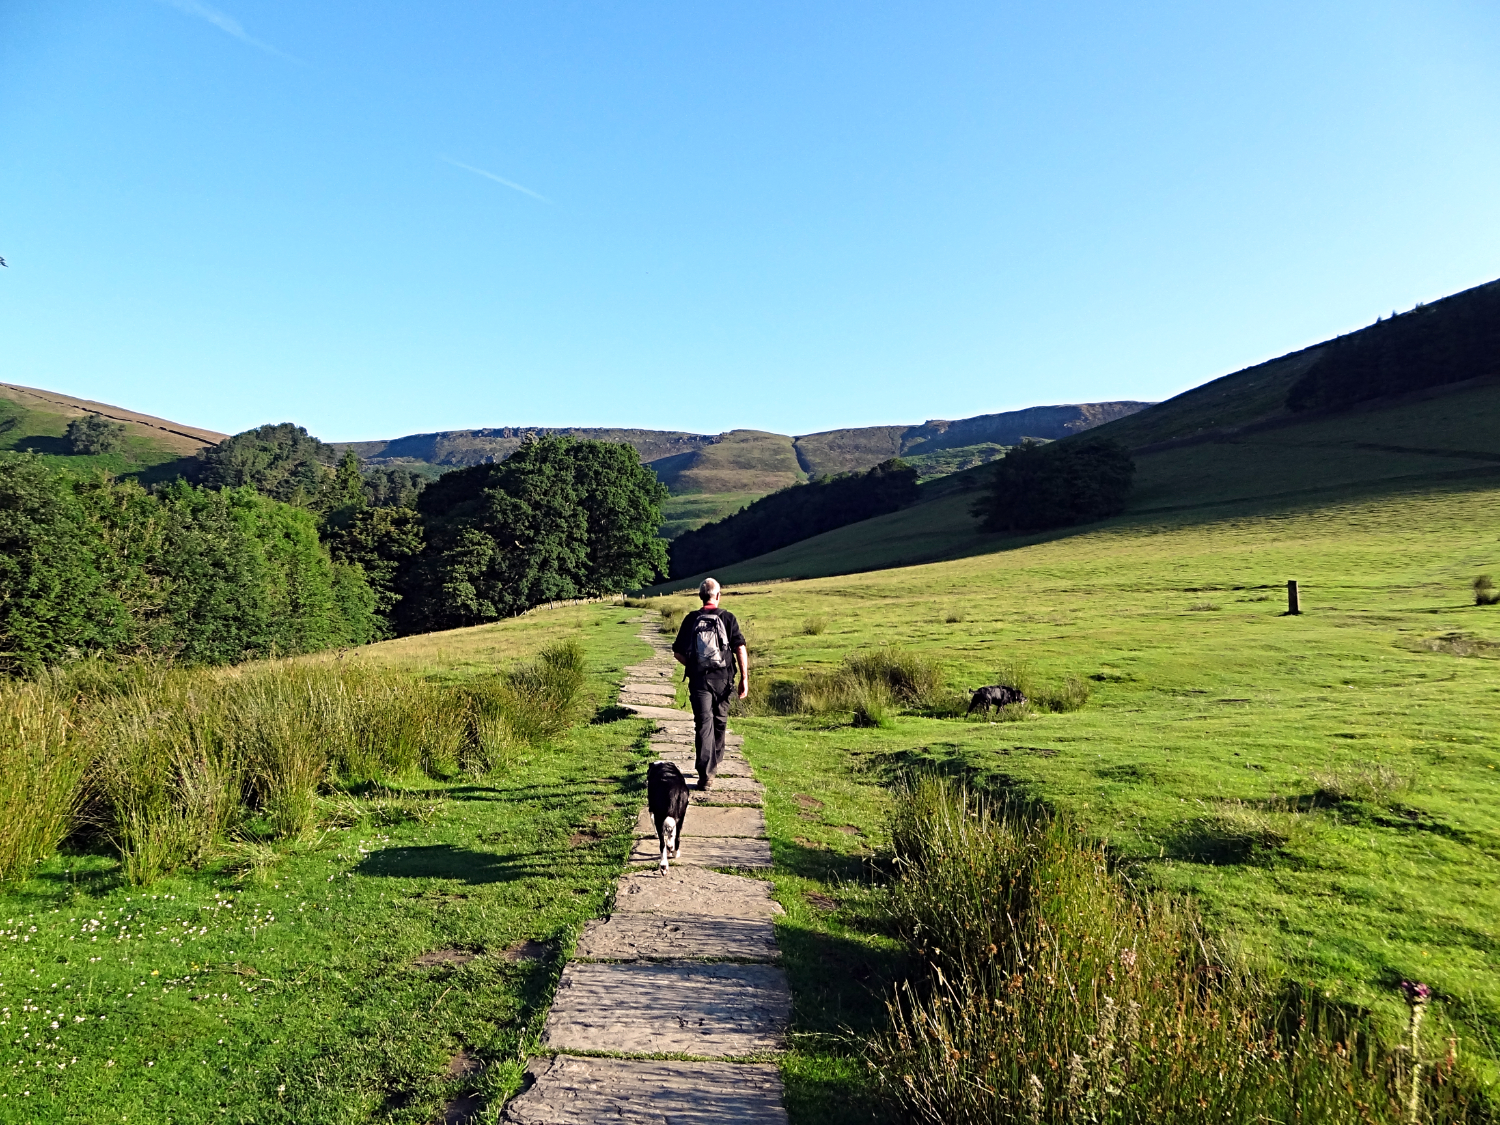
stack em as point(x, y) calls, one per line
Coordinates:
point(662, 937)
point(709, 822)
point(567, 1090)
point(647, 711)
point(717, 798)
point(642, 688)
point(717, 1010)
point(693, 890)
point(742, 852)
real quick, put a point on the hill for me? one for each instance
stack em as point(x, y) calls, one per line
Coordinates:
point(33, 420)
point(717, 474)
point(1235, 442)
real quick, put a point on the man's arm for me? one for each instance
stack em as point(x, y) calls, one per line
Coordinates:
point(743, 659)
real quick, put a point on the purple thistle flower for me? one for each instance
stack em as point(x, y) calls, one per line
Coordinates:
point(1416, 993)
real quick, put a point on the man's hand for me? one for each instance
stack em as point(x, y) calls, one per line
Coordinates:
point(744, 687)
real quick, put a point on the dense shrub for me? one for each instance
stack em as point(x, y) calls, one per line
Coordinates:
point(94, 433)
point(793, 514)
point(1036, 487)
point(1485, 592)
point(1051, 993)
point(204, 577)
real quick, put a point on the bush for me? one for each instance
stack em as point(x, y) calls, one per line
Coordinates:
point(1052, 994)
point(1036, 487)
point(1485, 592)
point(814, 626)
point(94, 433)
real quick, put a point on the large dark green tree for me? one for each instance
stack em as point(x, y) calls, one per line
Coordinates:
point(557, 519)
point(282, 461)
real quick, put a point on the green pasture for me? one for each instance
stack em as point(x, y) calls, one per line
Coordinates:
point(686, 513)
point(1326, 786)
point(396, 963)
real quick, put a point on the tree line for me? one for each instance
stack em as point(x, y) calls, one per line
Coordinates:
point(793, 514)
point(282, 545)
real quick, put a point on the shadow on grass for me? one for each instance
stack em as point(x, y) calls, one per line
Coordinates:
point(446, 861)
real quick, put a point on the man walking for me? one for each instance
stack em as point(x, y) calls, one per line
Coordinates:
point(707, 641)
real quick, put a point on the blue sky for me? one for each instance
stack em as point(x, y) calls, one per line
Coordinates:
point(385, 217)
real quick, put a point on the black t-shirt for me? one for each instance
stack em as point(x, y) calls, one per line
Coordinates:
point(684, 642)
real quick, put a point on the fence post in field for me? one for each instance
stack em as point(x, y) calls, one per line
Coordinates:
point(1293, 606)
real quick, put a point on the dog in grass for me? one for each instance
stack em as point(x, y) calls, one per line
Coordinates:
point(667, 797)
point(996, 696)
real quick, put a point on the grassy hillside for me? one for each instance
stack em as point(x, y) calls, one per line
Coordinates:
point(155, 449)
point(1396, 447)
point(1325, 785)
point(739, 461)
point(684, 513)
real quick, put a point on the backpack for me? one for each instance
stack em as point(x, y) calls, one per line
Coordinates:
point(710, 642)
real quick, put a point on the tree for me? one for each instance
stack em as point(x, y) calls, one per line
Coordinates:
point(281, 461)
point(793, 514)
point(383, 543)
point(1060, 484)
point(94, 433)
point(557, 519)
point(55, 601)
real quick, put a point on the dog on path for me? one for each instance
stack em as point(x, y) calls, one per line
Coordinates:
point(667, 797)
point(996, 696)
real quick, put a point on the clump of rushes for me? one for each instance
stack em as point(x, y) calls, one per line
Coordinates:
point(871, 686)
point(815, 625)
point(172, 767)
point(1070, 695)
point(1485, 592)
point(42, 765)
point(1053, 994)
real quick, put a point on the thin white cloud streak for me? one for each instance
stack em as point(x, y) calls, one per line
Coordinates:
point(227, 24)
point(497, 179)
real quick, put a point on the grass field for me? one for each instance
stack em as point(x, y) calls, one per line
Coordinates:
point(396, 962)
point(1326, 786)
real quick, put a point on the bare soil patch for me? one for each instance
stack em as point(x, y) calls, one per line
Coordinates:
point(528, 950)
point(445, 957)
point(465, 1064)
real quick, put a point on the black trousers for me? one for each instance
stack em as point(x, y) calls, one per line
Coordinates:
point(710, 693)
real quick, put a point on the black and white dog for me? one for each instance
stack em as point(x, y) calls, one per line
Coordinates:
point(996, 696)
point(667, 797)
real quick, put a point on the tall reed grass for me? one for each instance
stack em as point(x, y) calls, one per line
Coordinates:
point(170, 767)
point(871, 686)
point(1053, 994)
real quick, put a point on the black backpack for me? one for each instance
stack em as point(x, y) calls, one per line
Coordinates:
point(710, 643)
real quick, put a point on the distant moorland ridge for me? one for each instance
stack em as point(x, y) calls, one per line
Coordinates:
point(754, 459)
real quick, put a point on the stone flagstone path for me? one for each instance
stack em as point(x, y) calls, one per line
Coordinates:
point(686, 964)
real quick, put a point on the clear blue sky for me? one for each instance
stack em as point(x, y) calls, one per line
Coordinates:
point(385, 217)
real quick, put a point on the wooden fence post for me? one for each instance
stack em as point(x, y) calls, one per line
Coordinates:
point(1293, 605)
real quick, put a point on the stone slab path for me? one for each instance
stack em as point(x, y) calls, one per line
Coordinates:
point(686, 964)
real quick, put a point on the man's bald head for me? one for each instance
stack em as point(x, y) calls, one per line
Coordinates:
point(709, 591)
